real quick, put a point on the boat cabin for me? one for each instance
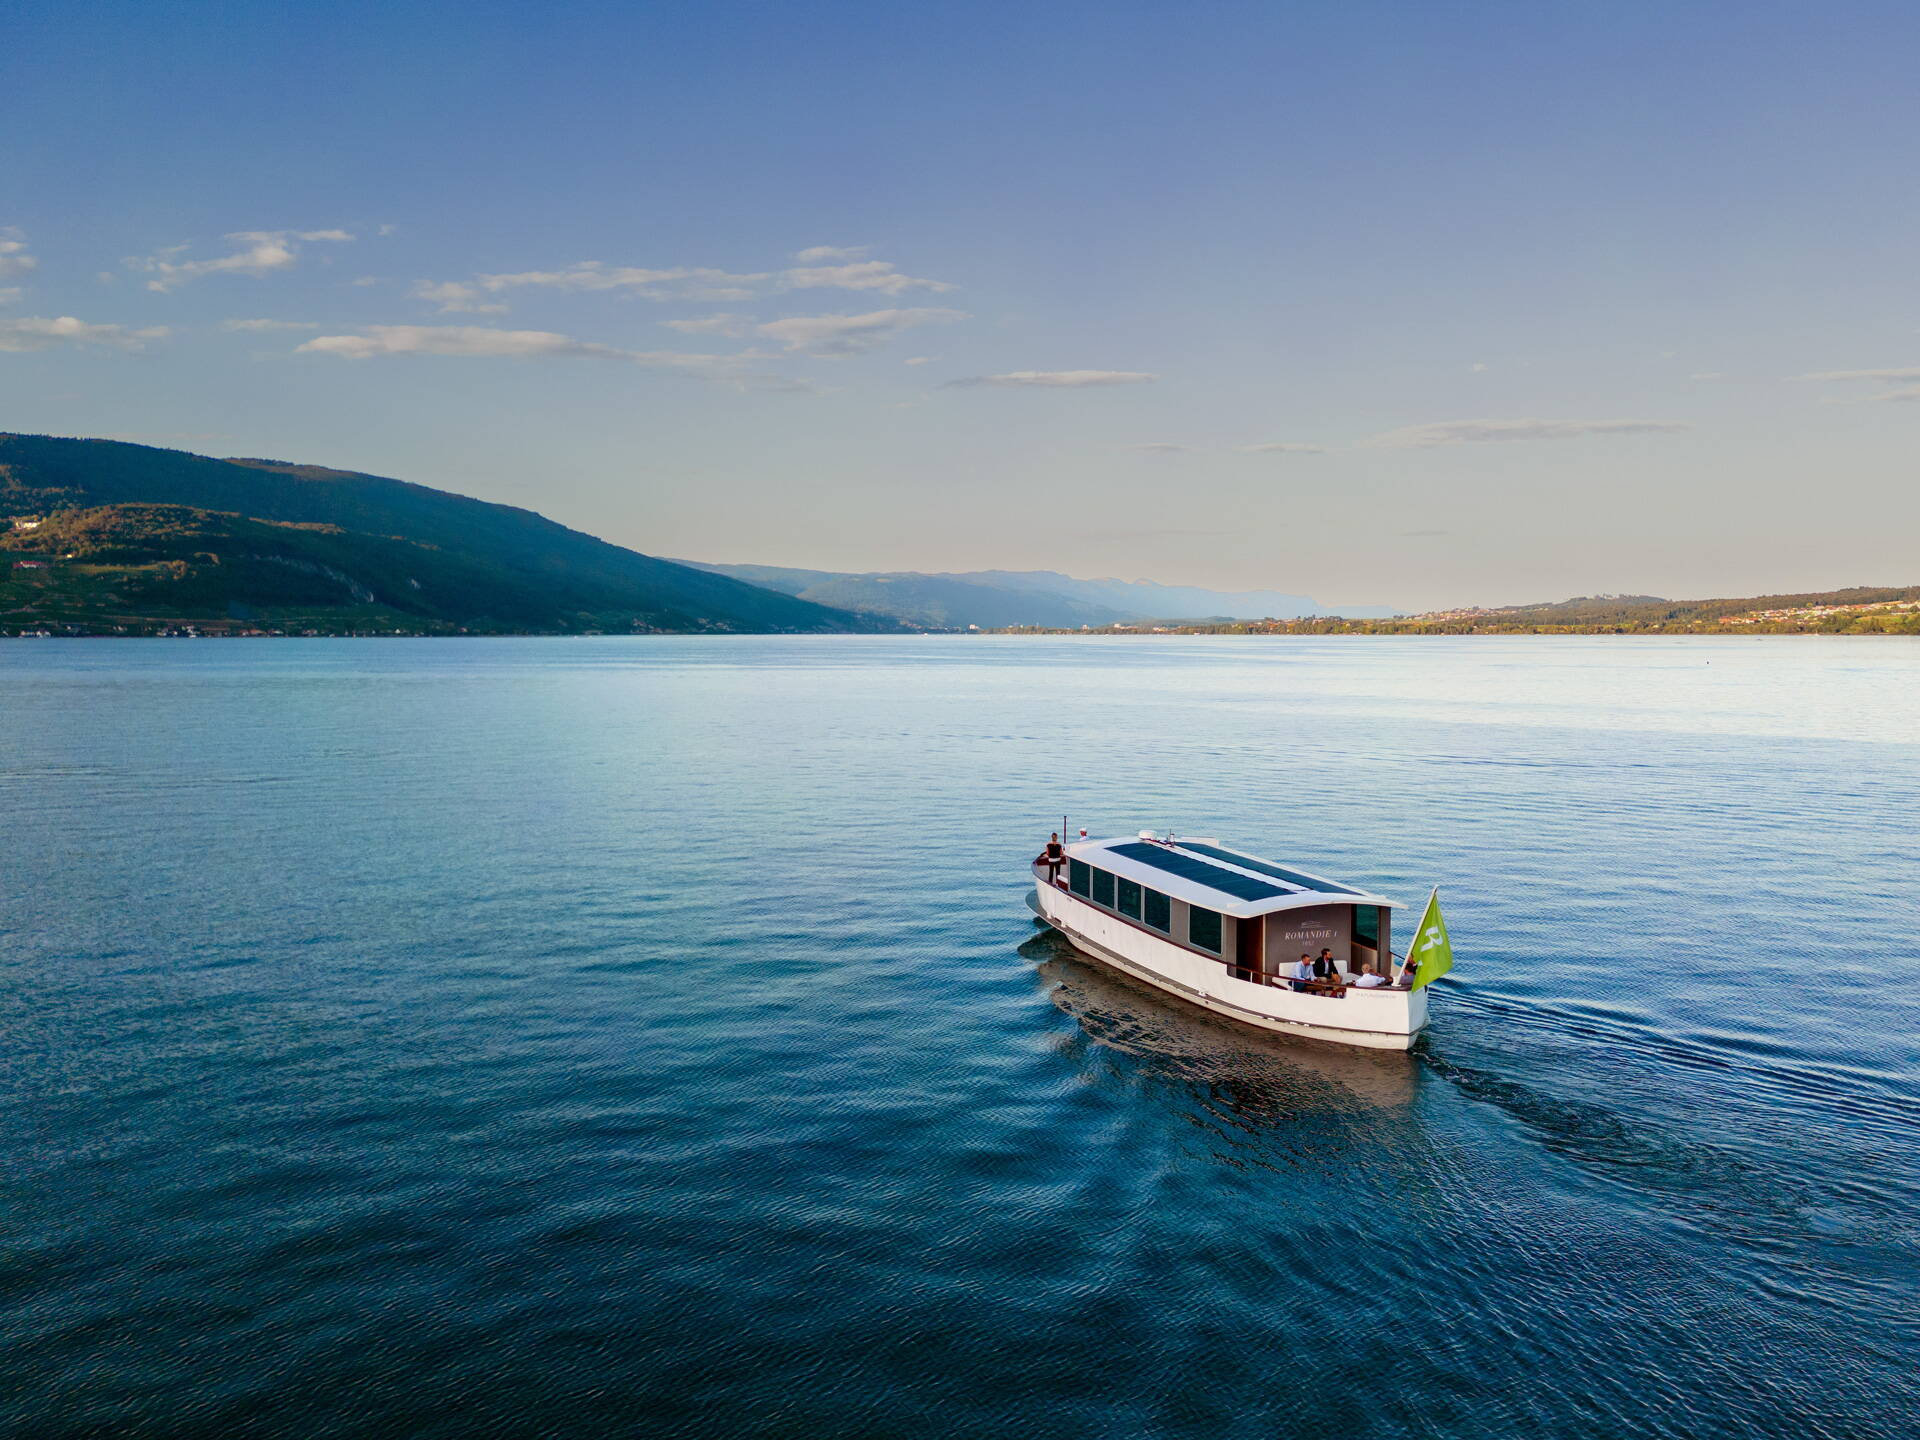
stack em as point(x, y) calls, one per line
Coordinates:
point(1251, 915)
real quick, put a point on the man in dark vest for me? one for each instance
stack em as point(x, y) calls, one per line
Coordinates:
point(1053, 857)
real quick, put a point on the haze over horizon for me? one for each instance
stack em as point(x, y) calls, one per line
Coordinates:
point(1376, 303)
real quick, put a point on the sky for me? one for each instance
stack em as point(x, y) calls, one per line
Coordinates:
point(1407, 304)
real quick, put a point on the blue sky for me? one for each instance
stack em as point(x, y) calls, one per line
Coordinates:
point(1402, 303)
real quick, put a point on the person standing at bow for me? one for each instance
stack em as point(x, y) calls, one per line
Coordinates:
point(1053, 857)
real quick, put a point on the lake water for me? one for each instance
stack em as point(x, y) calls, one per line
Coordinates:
point(647, 1036)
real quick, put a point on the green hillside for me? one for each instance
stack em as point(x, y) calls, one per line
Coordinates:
point(144, 567)
point(448, 561)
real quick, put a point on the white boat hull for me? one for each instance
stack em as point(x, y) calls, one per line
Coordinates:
point(1381, 1019)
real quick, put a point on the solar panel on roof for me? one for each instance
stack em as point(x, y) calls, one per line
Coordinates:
point(1202, 872)
point(1247, 862)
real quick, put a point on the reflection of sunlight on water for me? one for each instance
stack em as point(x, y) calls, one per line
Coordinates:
point(1254, 1075)
point(1687, 685)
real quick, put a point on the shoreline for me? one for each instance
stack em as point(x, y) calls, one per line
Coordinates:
point(198, 631)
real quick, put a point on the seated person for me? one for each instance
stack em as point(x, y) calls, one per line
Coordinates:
point(1325, 967)
point(1300, 973)
point(1367, 980)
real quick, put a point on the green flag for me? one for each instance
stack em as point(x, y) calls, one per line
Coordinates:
point(1431, 950)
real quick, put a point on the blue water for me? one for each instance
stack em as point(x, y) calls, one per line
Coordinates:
point(647, 1037)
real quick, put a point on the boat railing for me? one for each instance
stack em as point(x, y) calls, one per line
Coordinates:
point(1287, 982)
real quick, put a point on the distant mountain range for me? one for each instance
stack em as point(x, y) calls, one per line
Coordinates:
point(996, 599)
point(105, 534)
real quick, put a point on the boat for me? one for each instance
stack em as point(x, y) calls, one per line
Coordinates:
point(1221, 929)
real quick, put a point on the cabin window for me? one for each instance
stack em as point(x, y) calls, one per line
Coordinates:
point(1103, 888)
point(1159, 911)
point(1366, 926)
point(1078, 873)
point(1128, 897)
point(1203, 928)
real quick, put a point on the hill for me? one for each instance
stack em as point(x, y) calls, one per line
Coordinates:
point(939, 601)
point(1000, 599)
point(486, 567)
point(1149, 599)
point(153, 566)
point(1857, 610)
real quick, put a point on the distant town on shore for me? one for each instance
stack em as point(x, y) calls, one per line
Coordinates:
point(1860, 610)
point(104, 537)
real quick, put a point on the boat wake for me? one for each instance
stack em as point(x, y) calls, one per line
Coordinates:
point(1867, 1098)
point(1832, 1230)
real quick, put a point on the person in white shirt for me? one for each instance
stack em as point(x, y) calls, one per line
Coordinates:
point(1368, 980)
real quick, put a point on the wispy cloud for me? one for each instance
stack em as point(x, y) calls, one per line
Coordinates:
point(256, 252)
point(454, 297)
point(860, 275)
point(15, 257)
point(1055, 379)
point(821, 267)
point(1484, 432)
point(9, 294)
point(1899, 375)
point(918, 360)
point(732, 326)
point(851, 334)
point(678, 283)
point(264, 325)
point(1707, 375)
point(1159, 447)
point(1900, 382)
point(46, 332)
point(479, 342)
point(482, 342)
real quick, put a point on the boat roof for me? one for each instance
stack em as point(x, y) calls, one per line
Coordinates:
point(1202, 871)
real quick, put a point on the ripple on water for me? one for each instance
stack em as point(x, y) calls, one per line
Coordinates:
point(617, 1036)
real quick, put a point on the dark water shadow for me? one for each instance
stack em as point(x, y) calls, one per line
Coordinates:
point(1255, 1099)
